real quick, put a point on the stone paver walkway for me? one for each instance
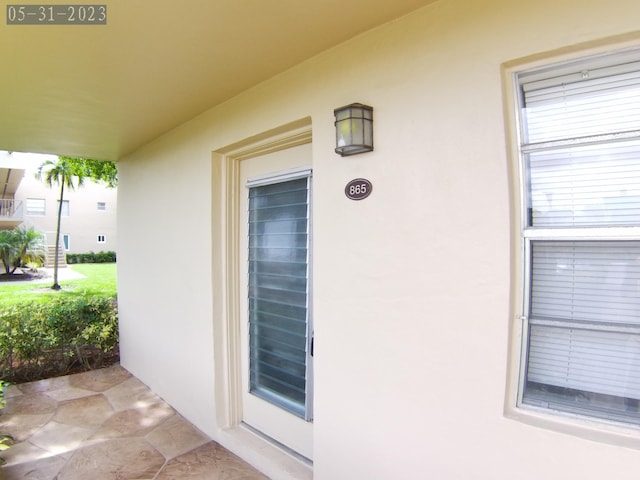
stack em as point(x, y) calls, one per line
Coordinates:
point(106, 424)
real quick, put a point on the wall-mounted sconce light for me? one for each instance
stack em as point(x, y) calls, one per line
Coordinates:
point(354, 129)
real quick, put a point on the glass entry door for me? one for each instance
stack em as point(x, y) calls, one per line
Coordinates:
point(278, 293)
point(277, 333)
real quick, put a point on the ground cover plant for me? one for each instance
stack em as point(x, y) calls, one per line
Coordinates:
point(45, 332)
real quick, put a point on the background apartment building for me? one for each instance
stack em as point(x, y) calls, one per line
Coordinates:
point(88, 212)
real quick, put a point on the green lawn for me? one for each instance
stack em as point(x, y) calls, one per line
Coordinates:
point(100, 280)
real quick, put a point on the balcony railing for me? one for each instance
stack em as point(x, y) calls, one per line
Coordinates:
point(11, 211)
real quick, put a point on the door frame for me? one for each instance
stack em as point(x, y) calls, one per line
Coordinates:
point(226, 191)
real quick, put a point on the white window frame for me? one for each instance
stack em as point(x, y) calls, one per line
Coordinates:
point(36, 212)
point(101, 206)
point(102, 238)
point(528, 234)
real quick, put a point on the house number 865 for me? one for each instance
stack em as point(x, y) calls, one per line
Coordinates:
point(358, 189)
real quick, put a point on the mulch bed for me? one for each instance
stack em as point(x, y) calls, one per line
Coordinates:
point(23, 276)
point(56, 366)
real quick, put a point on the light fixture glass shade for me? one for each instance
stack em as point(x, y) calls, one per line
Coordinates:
point(354, 129)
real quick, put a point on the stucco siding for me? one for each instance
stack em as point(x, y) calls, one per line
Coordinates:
point(412, 287)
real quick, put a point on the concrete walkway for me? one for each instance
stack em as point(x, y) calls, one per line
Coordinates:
point(64, 273)
point(106, 424)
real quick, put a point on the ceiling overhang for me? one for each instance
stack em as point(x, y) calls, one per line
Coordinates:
point(10, 179)
point(102, 91)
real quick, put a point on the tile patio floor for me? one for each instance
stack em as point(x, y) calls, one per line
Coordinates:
point(106, 424)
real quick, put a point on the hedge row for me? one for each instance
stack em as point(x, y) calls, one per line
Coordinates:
point(91, 257)
point(43, 340)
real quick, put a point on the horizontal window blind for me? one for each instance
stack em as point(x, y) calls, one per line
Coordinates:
point(595, 282)
point(588, 107)
point(596, 185)
point(580, 146)
point(577, 288)
point(583, 359)
point(278, 293)
point(35, 206)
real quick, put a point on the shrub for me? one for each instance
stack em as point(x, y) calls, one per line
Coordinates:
point(41, 340)
point(91, 257)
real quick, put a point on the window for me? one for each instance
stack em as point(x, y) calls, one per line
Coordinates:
point(580, 177)
point(35, 206)
point(102, 206)
point(102, 238)
point(65, 208)
point(279, 326)
point(66, 241)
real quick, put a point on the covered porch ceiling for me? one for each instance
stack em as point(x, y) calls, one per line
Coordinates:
point(102, 91)
point(10, 179)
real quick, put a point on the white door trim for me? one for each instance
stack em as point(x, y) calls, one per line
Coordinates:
point(226, 191)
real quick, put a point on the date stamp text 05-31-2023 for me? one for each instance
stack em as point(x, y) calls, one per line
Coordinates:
point(56, 14)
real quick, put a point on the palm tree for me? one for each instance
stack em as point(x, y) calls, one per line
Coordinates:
point(19, 246)
point(7, 249)
point(61, 173)
point(29, 245)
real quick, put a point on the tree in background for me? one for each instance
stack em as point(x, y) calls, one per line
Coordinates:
point(30, 246)
point(7, 249)
point(96, 170)
point(20, 246)
point(62, 173)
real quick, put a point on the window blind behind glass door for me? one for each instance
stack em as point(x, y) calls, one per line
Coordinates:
point(278, 293)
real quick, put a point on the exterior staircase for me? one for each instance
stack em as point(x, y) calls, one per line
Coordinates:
point(50, 257)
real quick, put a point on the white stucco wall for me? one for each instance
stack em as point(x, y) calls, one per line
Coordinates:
point(412, 287)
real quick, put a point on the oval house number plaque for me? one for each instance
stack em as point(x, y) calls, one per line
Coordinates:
point(358, 189)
